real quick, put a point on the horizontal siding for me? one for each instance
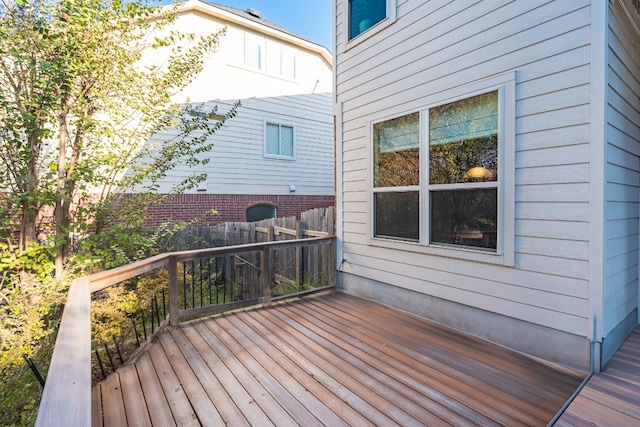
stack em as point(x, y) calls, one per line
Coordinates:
point(395, 71)
point(238, 164)
point(622, 209)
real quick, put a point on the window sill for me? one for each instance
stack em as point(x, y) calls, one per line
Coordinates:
point(465, 253)
point(276, 157)
point(365, 35)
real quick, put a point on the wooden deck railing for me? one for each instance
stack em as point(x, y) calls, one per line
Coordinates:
point(66, 398)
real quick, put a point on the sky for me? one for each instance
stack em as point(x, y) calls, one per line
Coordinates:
point(309, 18)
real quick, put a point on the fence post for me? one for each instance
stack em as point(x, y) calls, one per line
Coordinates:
point(172, 269)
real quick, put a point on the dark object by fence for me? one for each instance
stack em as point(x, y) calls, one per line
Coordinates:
point(35, 371)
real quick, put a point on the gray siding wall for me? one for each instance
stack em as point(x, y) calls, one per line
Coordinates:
point(238, 164)
point(437, 46)
point(622, 189)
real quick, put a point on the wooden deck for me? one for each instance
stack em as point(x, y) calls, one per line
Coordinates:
point(611, 397)
point(328, 360)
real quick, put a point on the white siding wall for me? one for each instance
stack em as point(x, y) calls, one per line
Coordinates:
point(439, 45)
point(238, 164)
point(622, 171)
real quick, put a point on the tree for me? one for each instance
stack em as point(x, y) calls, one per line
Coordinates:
point(77, 106)
point(86, 86)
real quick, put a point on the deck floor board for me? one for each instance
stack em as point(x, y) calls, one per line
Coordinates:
point(332, 360)
point(611, 397)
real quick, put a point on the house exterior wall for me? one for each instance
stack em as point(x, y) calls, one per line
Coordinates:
point(622, 168)
point(231, 207)
point(437, 51)
point(239, 164)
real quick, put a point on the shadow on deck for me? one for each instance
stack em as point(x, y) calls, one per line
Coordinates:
point(332, 360)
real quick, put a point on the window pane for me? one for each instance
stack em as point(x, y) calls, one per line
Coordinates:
point(397, 215)
point(288, 63)
point(273, 139)
point(465, 217)
point(274, 53)
point(260, 212)
point(396, 145)
point(463, 140)
point(253, 51)
point(364, 14)
point(286, 141)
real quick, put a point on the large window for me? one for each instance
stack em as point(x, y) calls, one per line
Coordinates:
point(396, 164)
point(451, 190)
point(363, 14)
point(279, 140)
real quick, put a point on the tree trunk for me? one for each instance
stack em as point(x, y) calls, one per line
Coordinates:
point(61, 212)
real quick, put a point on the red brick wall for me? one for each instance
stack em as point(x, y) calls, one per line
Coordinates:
point(232, 207)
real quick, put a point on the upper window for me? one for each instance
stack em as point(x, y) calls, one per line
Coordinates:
point(363, 14)
point(279, 140)
point(281, 60)
point(451, 196)
point(246, 50)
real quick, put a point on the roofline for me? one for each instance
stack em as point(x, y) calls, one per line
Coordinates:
point(212, 10)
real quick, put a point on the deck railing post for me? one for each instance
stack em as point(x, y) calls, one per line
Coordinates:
point(172, 269)
point(265, 274)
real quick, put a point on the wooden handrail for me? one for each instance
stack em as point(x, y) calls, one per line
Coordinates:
point(66, 399)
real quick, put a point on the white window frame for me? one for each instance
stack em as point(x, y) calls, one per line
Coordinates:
point(241, 36)
point(505, 251)
point(275, 60)
point(279, 156)
point(375, 29)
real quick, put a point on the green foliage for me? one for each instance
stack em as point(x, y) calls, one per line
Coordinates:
point(30, 302)
point(86, 86)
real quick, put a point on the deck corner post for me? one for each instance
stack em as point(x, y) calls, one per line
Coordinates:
point(172, 269)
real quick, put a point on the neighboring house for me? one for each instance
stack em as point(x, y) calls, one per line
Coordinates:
point(276, 157)
point(488, 167)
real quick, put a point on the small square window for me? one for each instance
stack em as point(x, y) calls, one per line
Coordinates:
point(279, 140)
point(364, 14)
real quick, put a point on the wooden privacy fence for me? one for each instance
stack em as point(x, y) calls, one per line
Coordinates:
point(313, 223)
point(66, 398)
point(302, 267)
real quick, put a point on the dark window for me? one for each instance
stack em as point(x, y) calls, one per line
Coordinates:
point(396, 155)
point(364, 14)
point(260, 212)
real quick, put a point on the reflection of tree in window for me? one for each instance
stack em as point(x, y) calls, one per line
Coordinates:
point(396, 145)
point(464, 135)
point(463, 150)
point(397, 152)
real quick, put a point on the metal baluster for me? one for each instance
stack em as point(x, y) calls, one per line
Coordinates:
point(193, 284)
point(184, 283)
point(97, 352)
point(135, 330)
point(106, 349)
point(115, 342)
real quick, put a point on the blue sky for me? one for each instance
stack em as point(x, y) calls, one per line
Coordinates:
point(308, 18)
